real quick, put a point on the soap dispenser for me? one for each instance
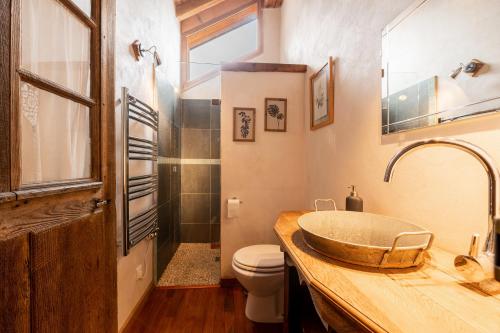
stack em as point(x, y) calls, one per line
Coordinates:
point(353, 202)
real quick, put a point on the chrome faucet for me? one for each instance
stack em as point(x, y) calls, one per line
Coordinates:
point(493, 180)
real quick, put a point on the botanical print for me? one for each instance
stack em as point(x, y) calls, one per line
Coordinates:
point(243, 124)
point(321, 95)
point(274, 111)
point(275, 114)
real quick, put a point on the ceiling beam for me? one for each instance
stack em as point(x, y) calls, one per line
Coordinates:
point(262, 67)
point(214, 14)
point(192, 7)
point(273, 3)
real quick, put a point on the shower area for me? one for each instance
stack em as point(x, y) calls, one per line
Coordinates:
point(188, 242)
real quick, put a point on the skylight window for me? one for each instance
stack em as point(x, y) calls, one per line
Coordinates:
point(231, 37)
point(230, 46)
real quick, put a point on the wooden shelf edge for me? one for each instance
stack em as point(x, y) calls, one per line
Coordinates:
point(56, 189)
point(7, 196)
point(263, 67)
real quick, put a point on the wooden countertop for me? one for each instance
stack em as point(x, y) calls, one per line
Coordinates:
point(433, 298)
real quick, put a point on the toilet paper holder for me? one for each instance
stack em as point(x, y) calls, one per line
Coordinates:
point(235, 198)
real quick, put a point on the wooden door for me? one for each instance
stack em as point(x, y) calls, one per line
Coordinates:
point(57, 166)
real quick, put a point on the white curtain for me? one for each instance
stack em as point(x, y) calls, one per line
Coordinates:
point(55, 131)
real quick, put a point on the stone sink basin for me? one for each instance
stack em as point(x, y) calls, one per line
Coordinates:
point(365, 239)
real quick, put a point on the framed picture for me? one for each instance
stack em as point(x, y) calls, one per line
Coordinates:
point(244, 124)
point(275, 115)
point(322, 95)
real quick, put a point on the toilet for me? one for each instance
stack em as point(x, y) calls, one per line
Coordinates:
point(260, 270)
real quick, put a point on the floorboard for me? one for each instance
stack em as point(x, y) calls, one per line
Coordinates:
point(204, 310)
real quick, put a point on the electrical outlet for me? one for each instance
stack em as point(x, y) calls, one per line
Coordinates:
point(139, 272)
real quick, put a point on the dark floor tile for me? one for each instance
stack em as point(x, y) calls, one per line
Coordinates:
point(195, 208)
point(165, 252)
point(215, 144)
point(177, 117)
point(195, 143)
point(176, 219)
point(176, 210)
point(163, 183)
point(195, 233)
point(175, 147)
point(164, 137)
point(195, 178)
point(175, 180)
point(215, 117)
point(215, 178)
point(215, 233)
point(196, 113)
point(215, 208)
point(164, 222)
point(171, 228)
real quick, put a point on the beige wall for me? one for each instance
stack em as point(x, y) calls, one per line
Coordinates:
point(255, 225)
point(268, 174)
point(438, 188)
point(152, 22)
point(271, 53)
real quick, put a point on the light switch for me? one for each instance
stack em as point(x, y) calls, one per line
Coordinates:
point(139, 272)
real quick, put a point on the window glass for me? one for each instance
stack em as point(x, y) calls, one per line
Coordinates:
point(55, 137)
point(55, 44)
point(84, 5)
point(230, 46)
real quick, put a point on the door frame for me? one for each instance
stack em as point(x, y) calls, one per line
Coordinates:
point(105, 168)
point(108, 152)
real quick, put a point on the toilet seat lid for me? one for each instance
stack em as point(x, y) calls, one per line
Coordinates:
point(264, 256)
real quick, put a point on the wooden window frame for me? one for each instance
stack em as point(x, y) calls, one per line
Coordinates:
point(5, 22)
point(10, 117)
point(220, 26)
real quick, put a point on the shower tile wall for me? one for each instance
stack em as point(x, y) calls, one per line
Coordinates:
point(200, 182)
point(169, 174)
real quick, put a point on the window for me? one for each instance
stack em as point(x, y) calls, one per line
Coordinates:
point(232, 45)
point(55, 86)
point(235, 37)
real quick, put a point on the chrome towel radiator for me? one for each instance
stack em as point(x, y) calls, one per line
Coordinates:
point(145, 223)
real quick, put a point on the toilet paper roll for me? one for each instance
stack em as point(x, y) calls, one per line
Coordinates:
point(233, 208)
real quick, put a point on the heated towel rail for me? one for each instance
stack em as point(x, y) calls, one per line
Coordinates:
point(144, 224)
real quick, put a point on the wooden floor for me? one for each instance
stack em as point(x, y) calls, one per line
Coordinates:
point(192, 310)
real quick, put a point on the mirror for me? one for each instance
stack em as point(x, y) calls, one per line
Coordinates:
point(441, 63)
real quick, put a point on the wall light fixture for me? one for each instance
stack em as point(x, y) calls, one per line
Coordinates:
point(139, 52)
point(472, 68)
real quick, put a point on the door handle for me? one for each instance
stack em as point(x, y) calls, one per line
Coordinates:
point(99, 203)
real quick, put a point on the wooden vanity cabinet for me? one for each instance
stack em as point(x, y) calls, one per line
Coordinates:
point(14, 279)
point(300, 312)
